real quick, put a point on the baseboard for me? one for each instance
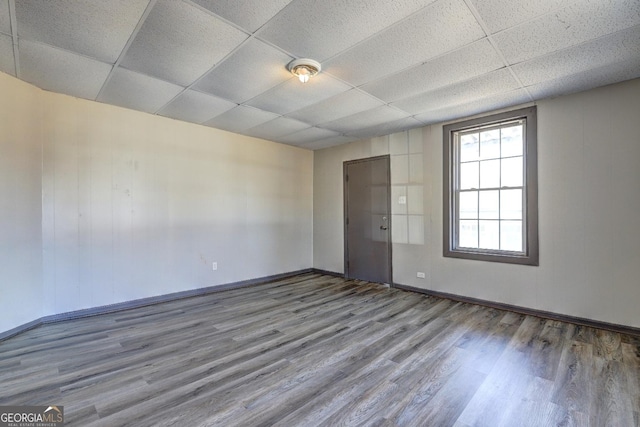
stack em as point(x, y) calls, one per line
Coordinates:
point(327, 272)
point(128, 305)
point(19, 329)
point(143, 302)
point(623, 329)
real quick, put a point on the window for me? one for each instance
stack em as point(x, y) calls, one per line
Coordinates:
point(490, 188)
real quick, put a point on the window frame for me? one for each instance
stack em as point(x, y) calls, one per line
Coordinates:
point(451, 164)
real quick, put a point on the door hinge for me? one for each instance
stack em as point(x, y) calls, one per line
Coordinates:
point(347, 221)
point(347, 178)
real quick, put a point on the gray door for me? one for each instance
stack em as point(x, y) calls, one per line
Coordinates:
point(367, 219)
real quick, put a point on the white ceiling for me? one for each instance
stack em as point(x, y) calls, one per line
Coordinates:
point(387, 65)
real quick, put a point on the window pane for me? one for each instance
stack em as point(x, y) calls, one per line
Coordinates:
point(489, 205)
point(469, 205)
point(511, 236)
point(489, 235)
point(468, 234)
point(512, 172)
point(490, 174)
point(512, 141)
point(468, 175)
point(469, 147)
point(511, 204)
point(490, 144)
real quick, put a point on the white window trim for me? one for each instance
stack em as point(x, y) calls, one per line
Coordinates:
point(530, 256)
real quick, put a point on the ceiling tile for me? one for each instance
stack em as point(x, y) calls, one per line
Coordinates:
point(307, 136)
point(345, 104)
point(501, 14)
point(276, 128)
point(179, 42)
point(61, 71)
point(7, 64)
point(137, 91)
point(293, 95)
point(484, 86)
point(472, 60)
point(251, 70)
point(483, 105)
point(321, 29)
point(577, 23)
point(439, 28)
point(429, 59)
point(249, 14)
point(366, 119)
point(617, 47)
point(329, 142)
point(5, 21)
point(196, 107)
point(99, 29)
point(240, 119)
point(386, 128)
point(589, 79)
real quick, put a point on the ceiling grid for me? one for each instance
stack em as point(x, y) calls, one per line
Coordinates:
point(386, 66)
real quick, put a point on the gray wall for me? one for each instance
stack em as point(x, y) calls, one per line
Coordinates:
point(589, 205)
point(21, 296)
point(135, 205)
point(102, 205)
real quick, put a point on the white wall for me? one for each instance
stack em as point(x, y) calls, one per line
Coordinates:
point(21, 293)
point(135, 205)
point(113, 205)
point(589, 205)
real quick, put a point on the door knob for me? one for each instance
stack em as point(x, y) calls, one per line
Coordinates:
point(383, 227)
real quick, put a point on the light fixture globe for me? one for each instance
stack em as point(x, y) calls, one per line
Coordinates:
point(304, 68)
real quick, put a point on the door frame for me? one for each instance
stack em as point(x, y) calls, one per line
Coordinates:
point(345, 206)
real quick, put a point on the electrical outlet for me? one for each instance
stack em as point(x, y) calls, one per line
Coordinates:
point(420, 275)
point(214, 266)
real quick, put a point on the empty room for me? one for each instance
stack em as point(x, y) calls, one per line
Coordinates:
point(320, 213)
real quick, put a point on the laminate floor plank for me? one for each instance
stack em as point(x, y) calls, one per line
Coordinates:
point(313, 350)
point(447, 404)
point(631, 366)
point(504, 386)
point(574, 387)
point(420, 385)
point(357, 383)
point(546, 349)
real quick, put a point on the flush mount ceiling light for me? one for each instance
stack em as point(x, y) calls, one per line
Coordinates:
point(304, 68)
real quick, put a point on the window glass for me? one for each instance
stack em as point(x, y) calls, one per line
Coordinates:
point(511, 236)
point(468, 234)
point(490, 144)
point(489, 235)
point(491, 188)
point(469, 205)
point(469, 175)
point(511, 204)
point(469, 147)
point(511, 172)
point(489, 205)
point(490, 173)
point(512, 141)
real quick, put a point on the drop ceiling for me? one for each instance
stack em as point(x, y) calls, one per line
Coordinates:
point(386, 65)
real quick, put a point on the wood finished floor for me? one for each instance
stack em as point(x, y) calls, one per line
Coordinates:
point(317, 350)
